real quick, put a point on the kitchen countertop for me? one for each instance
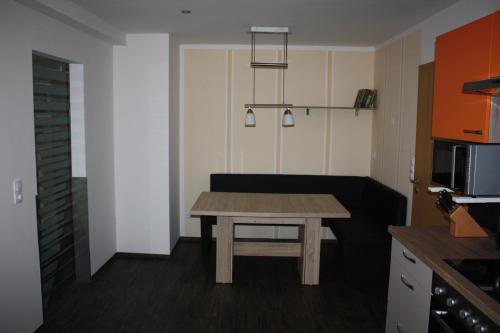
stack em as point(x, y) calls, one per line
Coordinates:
point(433, 244)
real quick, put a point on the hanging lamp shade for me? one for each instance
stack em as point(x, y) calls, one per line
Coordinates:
point(288, 120)
point(250, 118)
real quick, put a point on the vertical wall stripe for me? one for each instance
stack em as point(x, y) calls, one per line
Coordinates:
point(400, 111)
point(182, 186)
point(234, 118)
point(384, 119)
point(279, 131)
point(229, 103)
point(332, 116)
point(328, 113)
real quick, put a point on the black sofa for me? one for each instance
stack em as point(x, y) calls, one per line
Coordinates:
point(364, 241)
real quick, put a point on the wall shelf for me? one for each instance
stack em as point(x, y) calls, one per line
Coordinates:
point(462, 199)
point(305, 107)
point(437, 189)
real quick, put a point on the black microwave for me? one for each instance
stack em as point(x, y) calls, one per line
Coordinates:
point(473, 169)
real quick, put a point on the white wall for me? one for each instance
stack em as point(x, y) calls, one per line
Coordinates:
point(141, 120)
point(23, 30)
point(174, 142)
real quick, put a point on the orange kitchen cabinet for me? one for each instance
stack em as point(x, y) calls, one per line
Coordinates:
point(495, 54)
point(462, 55)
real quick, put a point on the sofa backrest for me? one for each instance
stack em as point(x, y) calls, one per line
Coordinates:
point(386, 205)
point(347, 189)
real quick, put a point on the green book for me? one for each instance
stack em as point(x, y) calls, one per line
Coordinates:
point(366, 93)
point(359, 97)
point(369, 99)
point(373, 101)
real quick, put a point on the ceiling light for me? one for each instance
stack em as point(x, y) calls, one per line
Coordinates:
point(250, 119)
point(186, 11)
point(288, 120)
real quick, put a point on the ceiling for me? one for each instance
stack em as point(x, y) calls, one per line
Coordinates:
point(312, 22)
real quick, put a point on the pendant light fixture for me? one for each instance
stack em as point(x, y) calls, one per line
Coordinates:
point(250, 116)
point(288, 120)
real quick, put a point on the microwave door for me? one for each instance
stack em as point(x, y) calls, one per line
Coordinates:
point(458, 166)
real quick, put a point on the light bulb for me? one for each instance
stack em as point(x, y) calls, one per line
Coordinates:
point(250, 118)
point(288, 120)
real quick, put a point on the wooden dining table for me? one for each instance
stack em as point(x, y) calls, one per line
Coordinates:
point(302, 210)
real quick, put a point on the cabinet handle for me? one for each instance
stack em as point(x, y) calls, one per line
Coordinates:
point(406, 283)
point(410, 259)
point(478, 132)
point(399, 327)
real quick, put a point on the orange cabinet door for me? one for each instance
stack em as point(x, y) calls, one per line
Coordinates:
point(462, 55)
point(495, 54)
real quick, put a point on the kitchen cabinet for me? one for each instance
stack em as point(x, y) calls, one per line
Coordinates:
point(469, 53)
point(409, 298)
point(495, 54)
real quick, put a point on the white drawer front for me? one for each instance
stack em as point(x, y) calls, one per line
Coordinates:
point(413, 266)
point(409, 297)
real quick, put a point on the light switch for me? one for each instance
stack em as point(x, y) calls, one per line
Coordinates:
point(17, 186)
point(412, 168)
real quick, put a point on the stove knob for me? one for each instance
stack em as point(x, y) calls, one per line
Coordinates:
point(451, 302)
point(463, 314)
point(471, 321)
point(439, 291)
point(481, 328)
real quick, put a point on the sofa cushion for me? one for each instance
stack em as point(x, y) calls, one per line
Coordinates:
point(347, 189)
point(361, 228)
point(385, 205)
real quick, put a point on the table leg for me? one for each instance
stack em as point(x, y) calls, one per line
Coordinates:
point(224, 266)
point(310, 236)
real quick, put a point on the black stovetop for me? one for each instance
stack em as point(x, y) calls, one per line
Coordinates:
point(484, 273)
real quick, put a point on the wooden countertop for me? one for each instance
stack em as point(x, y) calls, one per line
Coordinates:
point(433, 244)
point(269, 205)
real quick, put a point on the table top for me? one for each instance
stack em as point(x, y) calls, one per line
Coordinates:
point(269, 205)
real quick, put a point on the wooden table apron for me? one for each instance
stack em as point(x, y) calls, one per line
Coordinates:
point(307, 250)
point(303, 210)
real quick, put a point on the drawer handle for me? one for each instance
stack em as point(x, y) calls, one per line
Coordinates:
point(478, 132)
point(406, 283)
point(412, 260)
point(399, 327)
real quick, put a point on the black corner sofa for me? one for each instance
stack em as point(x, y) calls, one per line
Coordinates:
point(363, 239)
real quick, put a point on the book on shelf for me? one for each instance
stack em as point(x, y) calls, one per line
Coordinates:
point(373, 101)
point(359, 97)
point(366, 98)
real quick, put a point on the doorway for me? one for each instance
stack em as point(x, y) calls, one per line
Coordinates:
point(62, 218)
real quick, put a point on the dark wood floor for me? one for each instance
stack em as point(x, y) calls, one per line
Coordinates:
point(178, 294)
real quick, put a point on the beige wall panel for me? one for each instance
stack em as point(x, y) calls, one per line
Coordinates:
point(351, 71)
point(378, 115)
point(254, 148)
point(351, 142)
point(392, 114)
point(351, 135)
point(303, 145)
point(204, 124)
point(411, 61)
